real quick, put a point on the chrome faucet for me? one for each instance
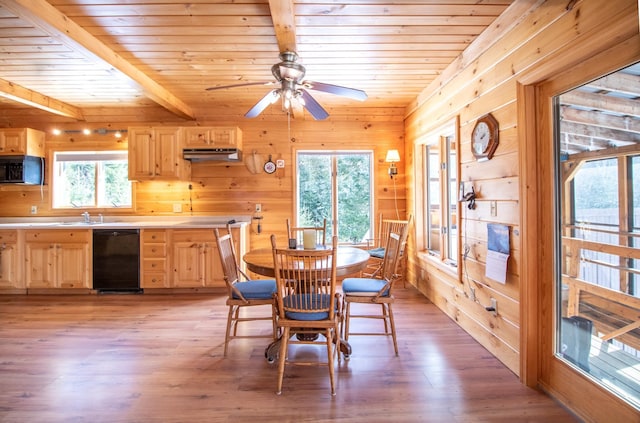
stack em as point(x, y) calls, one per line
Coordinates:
point(87, 217)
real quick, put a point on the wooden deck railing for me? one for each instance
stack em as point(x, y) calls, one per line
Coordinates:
point(615, 314)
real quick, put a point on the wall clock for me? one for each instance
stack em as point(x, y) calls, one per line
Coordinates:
point(484, 138)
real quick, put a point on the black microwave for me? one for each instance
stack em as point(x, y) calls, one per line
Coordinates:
point(21, 170)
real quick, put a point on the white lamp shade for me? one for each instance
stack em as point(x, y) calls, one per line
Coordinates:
point(392, 156)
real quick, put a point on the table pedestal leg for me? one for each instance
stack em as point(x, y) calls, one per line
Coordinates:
point(272, 350)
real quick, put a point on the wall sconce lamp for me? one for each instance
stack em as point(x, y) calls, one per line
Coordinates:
point(393, 157)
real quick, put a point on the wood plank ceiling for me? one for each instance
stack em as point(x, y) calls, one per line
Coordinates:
point(73, 57)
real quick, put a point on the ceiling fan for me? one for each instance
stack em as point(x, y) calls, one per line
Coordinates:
point(293, 88)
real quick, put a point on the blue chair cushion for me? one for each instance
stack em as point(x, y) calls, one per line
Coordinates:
point(303, 301)
point(377, 252)
point(259, 289)
point(363, 286)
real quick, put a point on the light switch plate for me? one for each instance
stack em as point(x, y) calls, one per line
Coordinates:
point(280, 163)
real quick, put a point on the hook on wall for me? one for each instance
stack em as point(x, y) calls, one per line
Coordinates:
point(468, 197)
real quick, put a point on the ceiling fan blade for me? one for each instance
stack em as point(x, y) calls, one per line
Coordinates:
point(262, 104)
point(336, 89)
point(313, 106)
point(245, 84)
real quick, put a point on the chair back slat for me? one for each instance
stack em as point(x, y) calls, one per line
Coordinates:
point(306, 279)
point(297, 232)
point(228, 259)
point(386, 226)
point(391, 257)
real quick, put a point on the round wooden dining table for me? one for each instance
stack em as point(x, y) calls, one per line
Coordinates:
point(349, 260)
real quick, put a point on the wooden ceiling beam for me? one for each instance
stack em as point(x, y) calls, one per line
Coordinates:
point(35, 99)
point(60, 27)
point(603, 102)
point(284, 23)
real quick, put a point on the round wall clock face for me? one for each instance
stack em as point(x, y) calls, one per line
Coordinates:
point(484, 138)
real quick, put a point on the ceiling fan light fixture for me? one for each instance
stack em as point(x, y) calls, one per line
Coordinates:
point(275, 96)
point(290, 76)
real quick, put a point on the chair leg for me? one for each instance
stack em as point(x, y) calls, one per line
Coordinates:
point(274, 322)
point(347, 316)
point(393, 329)
point(328, 335)
point(284, 342)
point(228, 332)
point(236, 316)
point(337, 332)
point(385, 318)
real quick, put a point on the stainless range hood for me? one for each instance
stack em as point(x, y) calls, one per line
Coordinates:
point(221, 154)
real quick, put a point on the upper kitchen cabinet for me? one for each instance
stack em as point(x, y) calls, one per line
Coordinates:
point(156, 153)
point(21, 142)
point(201, 136)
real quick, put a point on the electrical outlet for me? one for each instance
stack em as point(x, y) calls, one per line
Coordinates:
point(34, 209)
point(472, 295)
point(177, 208)
point(258, 207)
point(494, 208)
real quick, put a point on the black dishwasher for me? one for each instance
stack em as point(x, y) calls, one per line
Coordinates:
point(116, 260)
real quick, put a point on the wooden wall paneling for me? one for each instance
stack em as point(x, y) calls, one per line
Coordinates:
point(491, 89)
point(550, 37)
point(447, 295)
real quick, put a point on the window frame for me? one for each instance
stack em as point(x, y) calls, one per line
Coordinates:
point(332, 221)
point(449, 130)
point(88, 152)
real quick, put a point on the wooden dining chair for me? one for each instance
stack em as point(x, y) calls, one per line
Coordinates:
point(247, 293)
point(376, 246)
point(297, 232)
point(307, 304)
point(377, 291)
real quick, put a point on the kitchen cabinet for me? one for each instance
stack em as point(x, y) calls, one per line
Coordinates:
point(156, 154)
point(10, 274)
point(21, 141)
point(195, 259)
point(155, 267)
point(205, 137)
point(58, 258)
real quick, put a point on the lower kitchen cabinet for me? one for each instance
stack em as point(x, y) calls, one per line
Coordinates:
point(195, 259)
point(10, 274)
point(154, 260)
point(58, 258)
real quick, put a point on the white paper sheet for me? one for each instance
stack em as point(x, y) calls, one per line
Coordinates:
point(497, 252)
point(497, 266)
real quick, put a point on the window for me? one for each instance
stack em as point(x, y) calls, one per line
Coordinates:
point(91, 179)
point(440, 171)
point(335, 186)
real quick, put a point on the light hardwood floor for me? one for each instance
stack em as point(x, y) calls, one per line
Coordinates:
point(158, 358)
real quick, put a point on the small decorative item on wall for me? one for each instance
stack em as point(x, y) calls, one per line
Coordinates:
point(253, 162)
point(484, 138)
point(269, 166)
